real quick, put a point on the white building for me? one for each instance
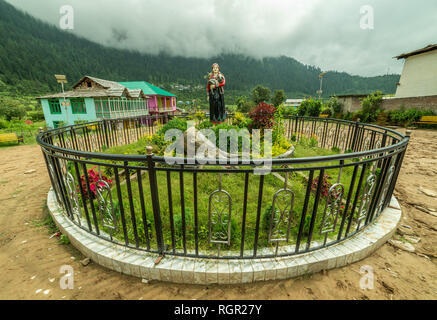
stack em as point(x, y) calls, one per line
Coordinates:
point(419, 77)
point(293, 102)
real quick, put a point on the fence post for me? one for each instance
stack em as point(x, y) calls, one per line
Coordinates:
point(155, 200)
point(354, 141)
point(105, 128)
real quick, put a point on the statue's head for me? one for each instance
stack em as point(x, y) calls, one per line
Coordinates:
point(215, 68)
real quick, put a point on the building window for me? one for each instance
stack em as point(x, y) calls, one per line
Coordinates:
point(58, 124)
point(78, 106)
point(55, 106)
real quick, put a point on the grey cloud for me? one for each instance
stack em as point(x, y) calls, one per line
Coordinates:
point(316, 32)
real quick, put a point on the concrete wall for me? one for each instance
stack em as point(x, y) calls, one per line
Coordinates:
point(351, 104)
point(419, 77)
point(428, 103)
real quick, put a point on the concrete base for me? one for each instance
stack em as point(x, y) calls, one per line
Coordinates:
point(209, 271)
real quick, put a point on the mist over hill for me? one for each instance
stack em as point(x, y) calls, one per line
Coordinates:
point(32, 51)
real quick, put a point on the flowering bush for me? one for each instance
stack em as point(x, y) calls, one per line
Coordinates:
point(240, 120)
point(326, 185)
point(93, 178)
point(199, 116)
point(263, 116)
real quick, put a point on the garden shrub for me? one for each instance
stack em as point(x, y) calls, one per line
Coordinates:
point(36, 116)
point(4, 124)
point(405, 117)
point(199, 116)
point(310, 108)
point(175, 123)
point(240, 120)
point(348, 116)
point(263, 116)
point(326, 185)
point(205, 125)
point(336, 149)
point(283, 112)
point(228, 127)
point(302, 109)
point(335, 105)
point(382, 118)
point(371, 106)
point(328, 112)
point(313, 142)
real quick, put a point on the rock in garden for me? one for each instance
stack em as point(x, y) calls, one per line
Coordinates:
point(85, 261)
point(145, 281)
point(403, 246)
point(428, 192)
point(405, 231)
point(30, 171)
point(414, 240)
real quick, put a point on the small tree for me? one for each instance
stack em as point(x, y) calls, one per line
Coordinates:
point(260, 94)
point(371, 107)
point(243, 105)
point(278, 98)
point(263, 116)
point(335, 105)
point(246, 107)
point(11, 109)
point(310, 108)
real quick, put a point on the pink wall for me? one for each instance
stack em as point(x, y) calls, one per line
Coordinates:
point(153, 103)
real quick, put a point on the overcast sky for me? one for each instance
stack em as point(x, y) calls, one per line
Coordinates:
point(324, 33)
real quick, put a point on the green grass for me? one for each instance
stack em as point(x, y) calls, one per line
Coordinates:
point(29, 132)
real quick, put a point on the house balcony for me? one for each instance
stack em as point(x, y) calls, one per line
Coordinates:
point(121, 114)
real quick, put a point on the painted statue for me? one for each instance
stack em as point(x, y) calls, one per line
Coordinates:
point(216, 95)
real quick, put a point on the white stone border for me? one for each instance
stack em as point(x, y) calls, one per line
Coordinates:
point(209, 271)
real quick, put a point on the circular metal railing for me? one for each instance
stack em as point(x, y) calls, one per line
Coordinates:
point(226, 210)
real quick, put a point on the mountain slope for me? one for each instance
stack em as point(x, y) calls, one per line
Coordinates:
point(31, 52)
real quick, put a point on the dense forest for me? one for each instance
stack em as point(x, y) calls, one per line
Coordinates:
point(32, 51)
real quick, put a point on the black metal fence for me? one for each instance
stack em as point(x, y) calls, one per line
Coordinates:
point(225, 211)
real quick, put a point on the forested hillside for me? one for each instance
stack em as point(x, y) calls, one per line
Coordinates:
point(31, 52)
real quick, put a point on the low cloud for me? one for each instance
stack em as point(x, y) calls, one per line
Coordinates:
point(326, 34)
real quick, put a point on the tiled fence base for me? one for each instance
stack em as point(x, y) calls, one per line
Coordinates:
point(204, 271)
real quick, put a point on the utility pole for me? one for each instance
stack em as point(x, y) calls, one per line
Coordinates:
point(320, 92)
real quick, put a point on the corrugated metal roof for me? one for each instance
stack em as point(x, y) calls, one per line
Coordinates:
point(431, 47)
point(104, 83)
point(110, 89)
point(148, 89)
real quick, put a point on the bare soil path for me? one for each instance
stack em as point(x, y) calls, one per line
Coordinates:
point(30, 262)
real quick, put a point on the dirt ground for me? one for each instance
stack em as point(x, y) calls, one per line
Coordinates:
point(30, 262)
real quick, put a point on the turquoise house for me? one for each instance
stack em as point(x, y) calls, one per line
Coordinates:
point(94, 99)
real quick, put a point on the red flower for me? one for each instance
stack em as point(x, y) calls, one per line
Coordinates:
point(95, 182)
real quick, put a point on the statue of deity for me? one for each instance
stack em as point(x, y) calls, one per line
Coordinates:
point(216, 95)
